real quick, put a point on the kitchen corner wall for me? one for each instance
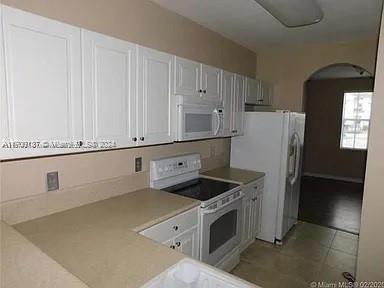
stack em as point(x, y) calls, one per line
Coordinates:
point(289, 67)
point(89, 177)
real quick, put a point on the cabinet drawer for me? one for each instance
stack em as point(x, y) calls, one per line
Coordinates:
point(172, 227)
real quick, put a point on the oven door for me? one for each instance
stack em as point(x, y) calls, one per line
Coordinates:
point(199, 121)
point(221, 231)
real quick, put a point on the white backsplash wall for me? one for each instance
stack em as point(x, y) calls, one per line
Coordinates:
point(89, 177)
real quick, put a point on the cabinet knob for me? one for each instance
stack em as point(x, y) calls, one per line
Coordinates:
point(172, 247)
point(134, 139)
point(200, 91)
point(205, 91)
point(142, 138)
point(175, 228)
point(178, 244)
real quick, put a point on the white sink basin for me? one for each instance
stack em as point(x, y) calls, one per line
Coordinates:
point(189, 273)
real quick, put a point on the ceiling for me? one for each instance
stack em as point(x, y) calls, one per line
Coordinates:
point(247, 23)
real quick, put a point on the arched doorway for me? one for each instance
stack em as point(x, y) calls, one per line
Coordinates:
point(337, 106)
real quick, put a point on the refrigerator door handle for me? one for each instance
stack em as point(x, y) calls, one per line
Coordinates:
point(297, 158)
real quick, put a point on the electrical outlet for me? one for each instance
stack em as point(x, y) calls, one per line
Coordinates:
point(212, 151)
point(138, 164)
point(52, 181)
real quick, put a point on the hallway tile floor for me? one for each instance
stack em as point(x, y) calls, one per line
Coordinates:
point(309, 253)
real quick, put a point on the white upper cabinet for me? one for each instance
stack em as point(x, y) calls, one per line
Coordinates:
point(200, 81)
point(258, 92)
point(43, 78)
point(109, 80)
point(155, 82)
point(3, 104)
point(265, 93)
point(210, 82)
point(227, 92)
point(252, 91)
point(187, 80)
point(238, 106)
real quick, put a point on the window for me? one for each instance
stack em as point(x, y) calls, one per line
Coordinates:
point(356, 117)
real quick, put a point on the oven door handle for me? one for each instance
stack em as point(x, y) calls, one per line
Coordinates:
point(221, 207)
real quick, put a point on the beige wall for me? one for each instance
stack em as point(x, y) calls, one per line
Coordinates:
point(145, 23)
point(89, 177)
point(289, 67)
point(324, 111)
point(370, 263)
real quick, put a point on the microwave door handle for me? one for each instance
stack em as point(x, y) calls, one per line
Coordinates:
point(218, 122)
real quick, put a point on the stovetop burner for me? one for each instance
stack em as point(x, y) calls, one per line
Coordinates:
point(201, 189)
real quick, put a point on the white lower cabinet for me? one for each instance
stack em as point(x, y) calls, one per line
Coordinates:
point(180, 233)
point(252, 213)
point(188, 243)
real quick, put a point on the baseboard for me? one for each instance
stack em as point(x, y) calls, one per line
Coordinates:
point(346, 179)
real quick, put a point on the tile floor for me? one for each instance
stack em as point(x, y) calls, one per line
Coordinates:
point(310, 253)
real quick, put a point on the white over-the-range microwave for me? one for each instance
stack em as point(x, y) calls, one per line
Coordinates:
point(198, 119)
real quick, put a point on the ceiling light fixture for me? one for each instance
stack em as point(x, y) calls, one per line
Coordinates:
point(293, 13)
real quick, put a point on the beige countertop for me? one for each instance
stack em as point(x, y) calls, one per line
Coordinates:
point(240, 176)
point(25, 265)
point(98, 242)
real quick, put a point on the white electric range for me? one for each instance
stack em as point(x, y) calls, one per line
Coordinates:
point(220, 209)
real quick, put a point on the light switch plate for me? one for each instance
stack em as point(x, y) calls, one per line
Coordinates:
point(52, 181)
point(138, 164)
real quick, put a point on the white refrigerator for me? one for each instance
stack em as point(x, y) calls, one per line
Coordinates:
point(273, 143)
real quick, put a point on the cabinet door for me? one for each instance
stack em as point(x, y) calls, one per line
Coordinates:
point(169, 243)
point(3, 103)
point(268, 100)
point(210, 83)
point(155, 82)
point(187, 80)
point(188, 243)
point(266, 90)
point(247, 233)
point(43, 78)
point(109, 75)
point(251, 91)
point(257, 215)
point(238, 106)
point(227, 91)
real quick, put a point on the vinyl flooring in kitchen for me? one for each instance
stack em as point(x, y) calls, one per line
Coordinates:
point(310, 253)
